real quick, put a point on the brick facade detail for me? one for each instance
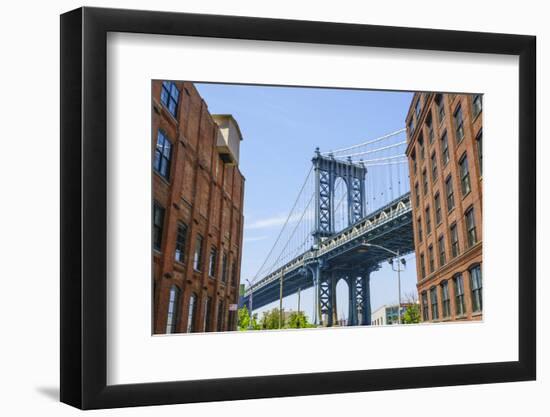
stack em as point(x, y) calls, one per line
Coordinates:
point(446, 203)
point(201, 197)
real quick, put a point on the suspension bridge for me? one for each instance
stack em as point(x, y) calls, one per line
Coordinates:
point(351, 213)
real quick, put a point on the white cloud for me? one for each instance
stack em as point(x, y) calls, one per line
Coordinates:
point(267, 222)
point(254, 238)
point(279, 220)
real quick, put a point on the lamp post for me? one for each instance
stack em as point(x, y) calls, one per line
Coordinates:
point(250, 303)
point(399, 261)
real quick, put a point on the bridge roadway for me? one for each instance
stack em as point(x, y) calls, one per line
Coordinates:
point(389, 226)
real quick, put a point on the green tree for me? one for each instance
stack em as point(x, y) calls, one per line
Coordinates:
point(298, 320)
point(412, 314)
point(244, 320)
point(270, 320)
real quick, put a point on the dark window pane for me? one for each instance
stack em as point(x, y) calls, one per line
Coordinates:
point(163, 154)
point(181, 238)
point(173, 310)
point(169, 96)
point(476, 286)
point(158, 223)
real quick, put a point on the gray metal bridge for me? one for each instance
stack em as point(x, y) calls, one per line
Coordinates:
point(326, 255)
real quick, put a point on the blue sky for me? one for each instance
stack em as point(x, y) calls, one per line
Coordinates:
point(281, 127)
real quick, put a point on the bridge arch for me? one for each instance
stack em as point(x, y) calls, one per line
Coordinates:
point(342, 301)
point(341, 204)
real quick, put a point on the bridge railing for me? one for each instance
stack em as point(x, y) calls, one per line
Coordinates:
point(379, 217)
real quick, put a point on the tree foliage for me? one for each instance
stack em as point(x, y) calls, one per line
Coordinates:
point(412, 314)
point(245, 322)
point(270, 320)
point(298, 320)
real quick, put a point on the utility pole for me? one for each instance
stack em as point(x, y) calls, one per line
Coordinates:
point(281, 301)
point(398, 270)
point(250, 304)
point(299, 306)
point(398, 288)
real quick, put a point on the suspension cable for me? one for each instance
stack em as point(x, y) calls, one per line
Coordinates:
point(372, 150)
point(365, 143)
point(284, 225)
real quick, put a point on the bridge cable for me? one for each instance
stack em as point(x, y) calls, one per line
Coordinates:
point(389, 135)
point(284, 225)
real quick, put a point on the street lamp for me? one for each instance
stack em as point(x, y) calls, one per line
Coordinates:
point(250, 303)
point(398, 270)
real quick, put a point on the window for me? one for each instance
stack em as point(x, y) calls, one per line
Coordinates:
point(220, 316)
point(434, 167)
point(428, 221)
point(421, 147)
point(471, 227)
point(431, 258)
point(411, 126)
point(425, 309)
point(477, 104)
point(181, 238)
point(224, 267)
point(416, 194)
point(464, 175)
point(445, 299)
point(163, 153)
point(422, 266)
point(234, 274)
point(437, 204)
point(207, 314)
point(459, 295)
point(173, 307)
point(433, 301)
point(158, 222)
point(415, 165)
point(455, 249)
point(479, 147)
point(212, 262)
point(475, 285)
point(197, 256)
point(430, 127)
point(231, 322)
point(419, 229)
point(459, 124)
point(425, 182)
point(417, 109)
point(191, 313)
point(440, 107)
point(169, 96)
point(444, 149)
point(450, 193)
point(441, 248)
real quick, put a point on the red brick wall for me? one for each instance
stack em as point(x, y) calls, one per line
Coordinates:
point(468, 256)
point(204, 194)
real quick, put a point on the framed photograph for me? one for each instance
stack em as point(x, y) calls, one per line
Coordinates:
point(258, 208)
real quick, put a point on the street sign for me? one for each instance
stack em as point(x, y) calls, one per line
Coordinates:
point(233, 307)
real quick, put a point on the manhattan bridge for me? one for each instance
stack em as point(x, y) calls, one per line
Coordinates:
point(352, 212)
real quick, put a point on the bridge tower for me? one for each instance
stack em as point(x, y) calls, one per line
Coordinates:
point(327, 171)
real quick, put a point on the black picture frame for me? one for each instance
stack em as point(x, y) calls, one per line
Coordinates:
point(84, 207)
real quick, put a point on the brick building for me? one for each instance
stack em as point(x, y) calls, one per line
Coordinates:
point(444, 150)
point(197, 212)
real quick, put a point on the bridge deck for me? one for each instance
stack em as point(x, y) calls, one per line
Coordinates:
point(389, 226)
